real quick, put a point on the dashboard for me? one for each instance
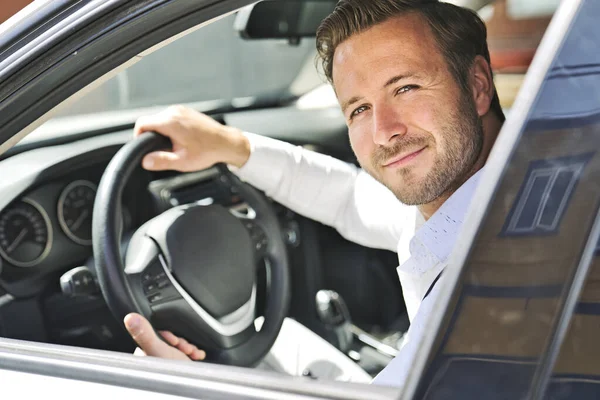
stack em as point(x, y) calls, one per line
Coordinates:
point(46, 227)
point(46, 210)
point(48, 230)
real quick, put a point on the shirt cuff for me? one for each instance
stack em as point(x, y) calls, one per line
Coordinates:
point(266, 163)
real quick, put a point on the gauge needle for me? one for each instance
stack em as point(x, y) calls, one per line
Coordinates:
point(80, 220)
point(17, 241)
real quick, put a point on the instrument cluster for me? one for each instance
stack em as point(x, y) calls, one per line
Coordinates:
point(29, 229)
point(25, 233)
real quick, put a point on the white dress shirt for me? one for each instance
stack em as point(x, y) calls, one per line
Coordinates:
point(427, 256)
point(364, 211)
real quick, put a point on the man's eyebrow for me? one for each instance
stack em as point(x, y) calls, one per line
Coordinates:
point(397, 78)
point(349, 102)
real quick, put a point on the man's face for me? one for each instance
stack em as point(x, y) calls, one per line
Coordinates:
point(411, 126)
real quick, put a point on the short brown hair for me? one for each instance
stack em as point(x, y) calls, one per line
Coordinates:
point(459, 33)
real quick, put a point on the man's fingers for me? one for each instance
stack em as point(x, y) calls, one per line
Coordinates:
point(169, 337)
point(190, 350)
point(184, 346)
point(197, 355)
point(161, 160)
point(149, 123)
point(141, 331)
point(156, 123)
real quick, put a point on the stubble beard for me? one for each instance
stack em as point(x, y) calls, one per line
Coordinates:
point(463, 138)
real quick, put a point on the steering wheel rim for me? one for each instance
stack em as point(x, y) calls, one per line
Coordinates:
point(123, 285)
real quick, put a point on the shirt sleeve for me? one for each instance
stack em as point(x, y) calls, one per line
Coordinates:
point(327, 190)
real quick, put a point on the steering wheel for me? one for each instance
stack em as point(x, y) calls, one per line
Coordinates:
point(192, 269)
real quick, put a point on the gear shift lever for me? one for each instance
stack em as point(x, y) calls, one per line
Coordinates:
point(333, 312)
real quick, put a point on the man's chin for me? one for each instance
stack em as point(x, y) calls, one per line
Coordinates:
point(410, 199)
point(409, 194)
point(408, 185)
point(413, 192)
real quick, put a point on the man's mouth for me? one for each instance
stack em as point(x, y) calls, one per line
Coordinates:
point(402, 159)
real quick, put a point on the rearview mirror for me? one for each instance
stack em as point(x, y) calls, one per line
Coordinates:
point(282, 19)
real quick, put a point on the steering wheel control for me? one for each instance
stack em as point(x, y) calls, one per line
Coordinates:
point(157, 286)
point(258, 236)
point(192, 269)
point(79, 282)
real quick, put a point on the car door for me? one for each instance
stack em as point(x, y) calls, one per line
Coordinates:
point(37, 369)
point(519, 309)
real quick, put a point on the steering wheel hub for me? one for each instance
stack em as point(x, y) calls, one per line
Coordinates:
point(210, 253)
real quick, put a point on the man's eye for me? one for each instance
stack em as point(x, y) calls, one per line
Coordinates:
point(406, 88)
point(358, 111)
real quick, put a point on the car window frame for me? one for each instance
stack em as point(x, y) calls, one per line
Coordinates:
point(76, 51)
point(199, 380)
point(495, 168)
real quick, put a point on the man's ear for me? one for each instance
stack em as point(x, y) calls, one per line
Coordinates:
point(482, 85)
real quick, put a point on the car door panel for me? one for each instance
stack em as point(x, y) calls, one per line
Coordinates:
point(532, 249)
point(85, 369)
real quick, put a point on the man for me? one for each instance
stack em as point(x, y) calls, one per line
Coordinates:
point(414, 82)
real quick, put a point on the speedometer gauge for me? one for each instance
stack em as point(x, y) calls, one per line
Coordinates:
point(75, 210)
point(25, 234)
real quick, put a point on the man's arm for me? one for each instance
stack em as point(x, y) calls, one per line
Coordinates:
point(327, 190)
point(314, 185)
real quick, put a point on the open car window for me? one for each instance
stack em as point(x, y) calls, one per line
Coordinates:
point(522, 318)
point(212, 63)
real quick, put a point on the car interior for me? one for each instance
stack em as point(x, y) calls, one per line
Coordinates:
point(346, 315)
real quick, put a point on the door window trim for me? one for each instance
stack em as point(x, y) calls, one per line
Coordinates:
point(496, 168)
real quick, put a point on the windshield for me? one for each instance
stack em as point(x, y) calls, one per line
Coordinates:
point(210, 63)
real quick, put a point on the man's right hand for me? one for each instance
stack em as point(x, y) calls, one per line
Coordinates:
point(198, 141)
point(175, 348)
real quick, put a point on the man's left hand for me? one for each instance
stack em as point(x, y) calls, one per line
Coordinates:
point(173, 347)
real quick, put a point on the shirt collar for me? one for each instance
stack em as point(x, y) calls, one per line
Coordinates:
point(438, 234)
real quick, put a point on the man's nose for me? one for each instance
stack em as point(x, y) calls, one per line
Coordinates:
point(387, 124)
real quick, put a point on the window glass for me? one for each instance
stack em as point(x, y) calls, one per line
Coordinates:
point(511, 302)
point(211, 63)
